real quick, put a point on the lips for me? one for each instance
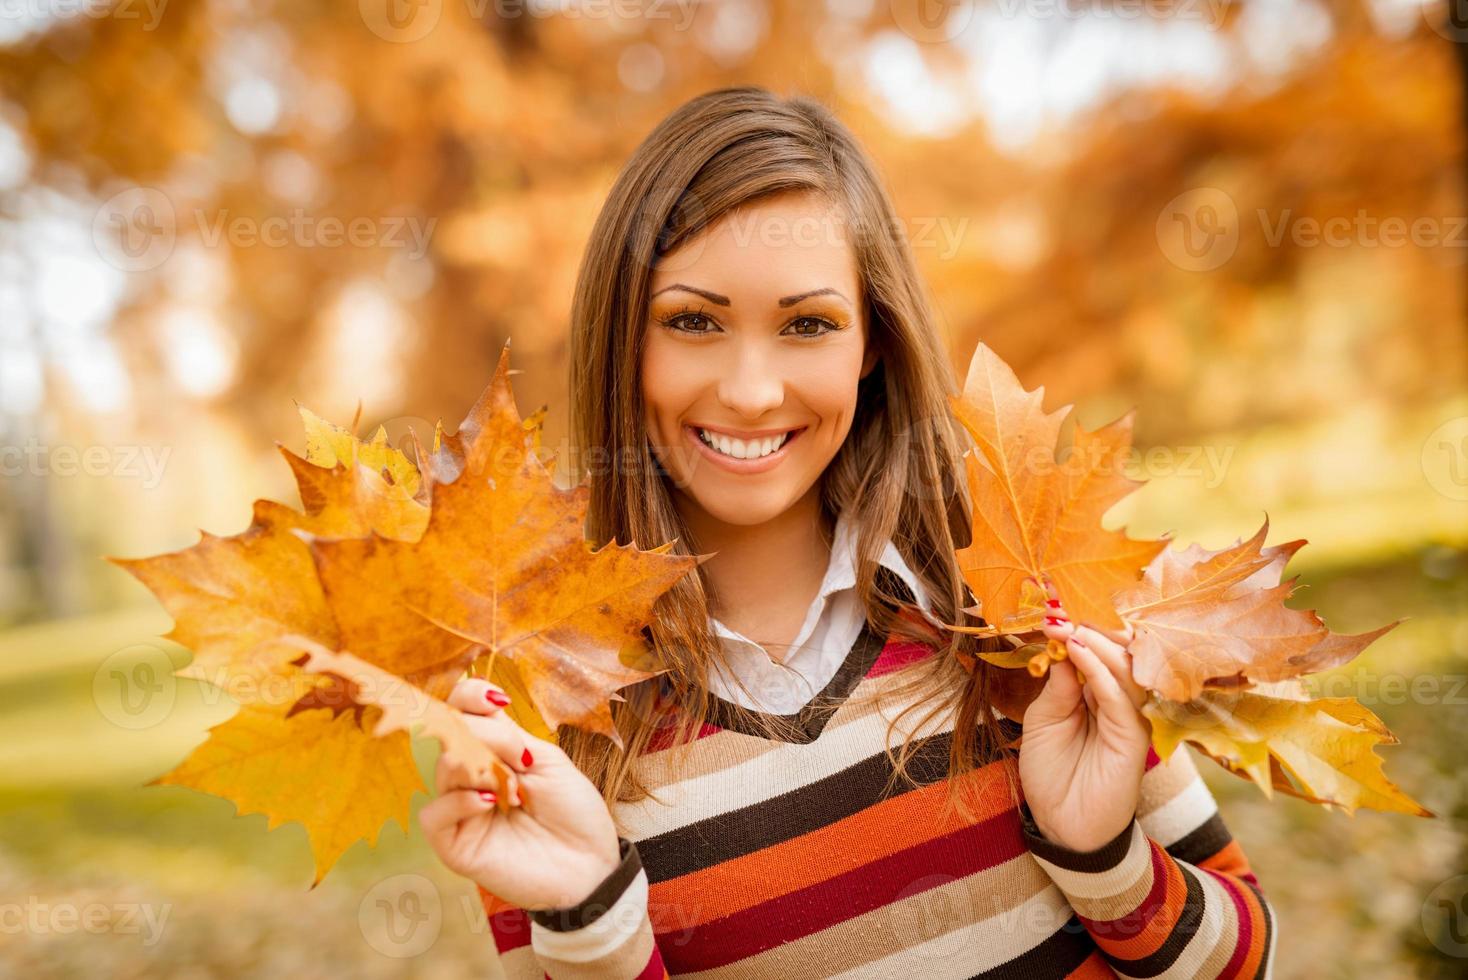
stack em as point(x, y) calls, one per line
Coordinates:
point(733, 464)
point(743, 447)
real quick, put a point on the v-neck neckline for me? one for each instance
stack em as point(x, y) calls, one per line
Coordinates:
point(813, 716)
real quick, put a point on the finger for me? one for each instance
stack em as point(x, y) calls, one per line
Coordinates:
point(442, 816)
point(450, 775)
point(1097, 641)
point(506, 739)
point(1058, 629)
point(1058, 697)
point(1054, 611)
point(477, 696)
point(1121, 637)
point(1117, 660)
point(1106, 690)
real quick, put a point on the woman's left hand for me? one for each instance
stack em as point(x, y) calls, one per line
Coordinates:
point(1084, 747)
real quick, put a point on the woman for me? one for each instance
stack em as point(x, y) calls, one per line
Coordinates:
point(817, 785)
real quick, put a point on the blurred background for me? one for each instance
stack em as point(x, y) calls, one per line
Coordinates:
point(1245, 219)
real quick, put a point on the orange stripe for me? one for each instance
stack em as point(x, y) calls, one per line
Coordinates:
point(1229, 859)
point(1094, 967)
point(1255, 955)
point(858, 840)
point(1164, 919)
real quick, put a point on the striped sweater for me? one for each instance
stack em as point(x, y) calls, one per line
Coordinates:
point(767, 859)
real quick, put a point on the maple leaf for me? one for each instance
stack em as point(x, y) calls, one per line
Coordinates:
point(1035, 518)
point(342, 627)
point(1214, 643)
point(399, 706)
point(267, 759)
point(1204, 615)
point(328, 444)
point(1326, 744)
point(233, 598)
point(504, 564)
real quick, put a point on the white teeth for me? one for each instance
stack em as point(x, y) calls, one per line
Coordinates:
point(740, 448)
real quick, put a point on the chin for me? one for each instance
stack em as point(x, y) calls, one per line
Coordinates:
point(743, 508)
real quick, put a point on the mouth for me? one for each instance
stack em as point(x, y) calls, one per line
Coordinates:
point(753, 455)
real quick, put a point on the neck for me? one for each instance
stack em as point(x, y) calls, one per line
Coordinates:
point(744, 590)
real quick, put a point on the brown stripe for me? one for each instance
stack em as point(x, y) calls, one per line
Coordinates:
point(889, 827)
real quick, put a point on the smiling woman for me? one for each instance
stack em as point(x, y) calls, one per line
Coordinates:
point(750, 395)
point(815, 785)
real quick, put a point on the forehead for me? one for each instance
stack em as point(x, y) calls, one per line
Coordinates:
point(775, 246)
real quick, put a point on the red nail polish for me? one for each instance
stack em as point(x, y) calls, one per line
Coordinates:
point(488, 796)
point(496, 698)
point(1053, 603)
point(525, 759)
point(1051, 621)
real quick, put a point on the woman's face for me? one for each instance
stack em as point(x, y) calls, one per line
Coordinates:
point(756, 340)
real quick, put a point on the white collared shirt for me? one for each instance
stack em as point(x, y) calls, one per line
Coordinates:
point(832, 624)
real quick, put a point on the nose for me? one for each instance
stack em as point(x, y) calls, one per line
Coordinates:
point(751, 385)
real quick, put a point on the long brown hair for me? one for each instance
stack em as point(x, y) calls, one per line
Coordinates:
point(899, 471)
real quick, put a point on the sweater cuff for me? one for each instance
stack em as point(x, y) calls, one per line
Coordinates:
point(1104, 883)
point(603, 923)
point(1103, 858)
point(602, 898)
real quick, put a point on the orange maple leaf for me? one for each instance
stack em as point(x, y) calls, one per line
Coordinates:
point(1036, 518)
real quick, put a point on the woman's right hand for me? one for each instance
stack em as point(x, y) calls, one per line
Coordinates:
point(549, 853)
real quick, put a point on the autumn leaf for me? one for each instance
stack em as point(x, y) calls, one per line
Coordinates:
point(1037, 518)
point(328, 445)
point(398, 706)
point(317, 767)
point(343, 627)
point(1326, 744)
point(1214, 642)
point(1201, 615)
point(504, 564)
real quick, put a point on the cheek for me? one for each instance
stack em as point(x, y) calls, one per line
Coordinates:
point(829, 389)
point(668, 384)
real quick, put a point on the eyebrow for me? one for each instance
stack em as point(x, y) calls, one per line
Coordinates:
point(722, 300)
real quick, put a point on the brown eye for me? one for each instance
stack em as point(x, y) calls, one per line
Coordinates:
point(690, 322)
point(811, 326)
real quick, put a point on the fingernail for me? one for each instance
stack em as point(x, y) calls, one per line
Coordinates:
point(496, 698)
point(1053, 603)
point(488, 796)
point(525, 759)
point(1051, 621)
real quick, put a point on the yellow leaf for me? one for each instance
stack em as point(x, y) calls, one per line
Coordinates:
point(321, 770)
point(1326, 744)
